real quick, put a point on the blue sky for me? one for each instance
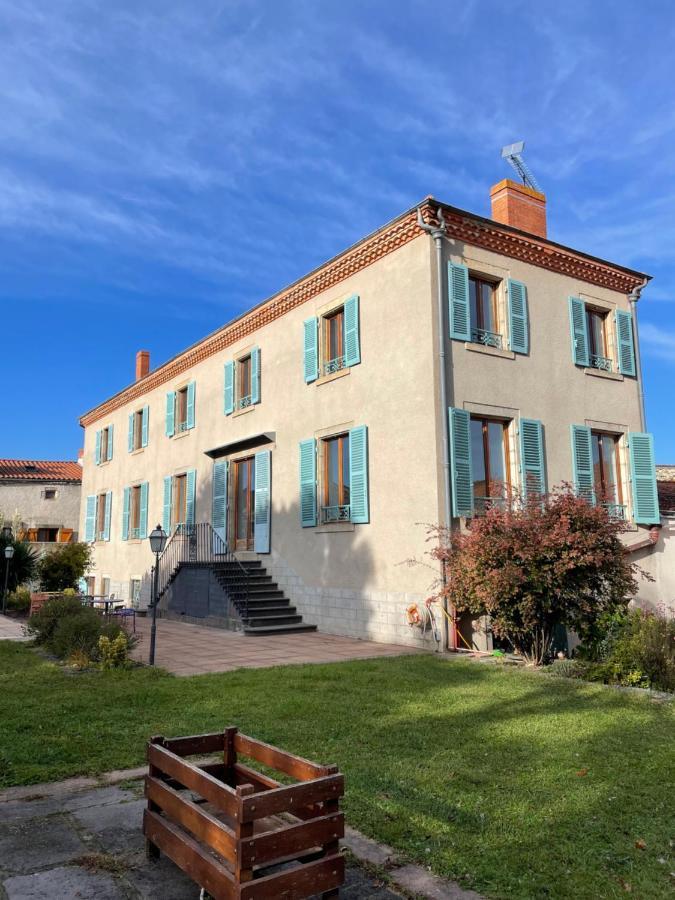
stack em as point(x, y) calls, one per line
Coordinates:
point(165, 165)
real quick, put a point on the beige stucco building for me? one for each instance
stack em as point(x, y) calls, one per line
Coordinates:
point(442, 335)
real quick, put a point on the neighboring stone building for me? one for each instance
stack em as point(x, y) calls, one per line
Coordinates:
point(311, 432)
point(40, 499)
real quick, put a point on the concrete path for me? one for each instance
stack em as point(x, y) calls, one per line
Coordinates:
point(186, 649)
point(82, 838)
point(11, 630)
point(88, 844)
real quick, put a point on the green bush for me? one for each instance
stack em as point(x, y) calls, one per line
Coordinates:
point(43, 623)
point(113, 653)
point(637, 649)
point(19, 600)
point(566, 668)
point(76, 633)
point(63, 567)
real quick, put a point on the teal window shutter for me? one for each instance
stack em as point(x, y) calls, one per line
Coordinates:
point(145, 423)
point(111, 430)
point(97, 450)
point(643, 479)
point(107, 513)
point(460, 462)
point(532, 465)
point(229, 388)
point(352, 336)
point(170, 414)
point(458, 301)
point(308, 483)
point(623, 322)
point(166, 508)
point(190, 410)
point(130, 436)
point(263, 505)
point(311, 359)
point(582, 462)
point(579, 332)
point(143, 517)
point(358, 474)
point(126, 503)
point(191, 490)
point(255, 375)
point(519, 338)
point(90, 519)
point(219, 500)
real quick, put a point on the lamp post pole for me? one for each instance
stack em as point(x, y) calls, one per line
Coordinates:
point(157, 544)
point(9, 553)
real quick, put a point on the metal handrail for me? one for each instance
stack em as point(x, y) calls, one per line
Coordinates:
point(202, 544)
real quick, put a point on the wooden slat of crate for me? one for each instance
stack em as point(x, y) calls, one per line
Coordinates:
point(190, 856)
point(223, 797)
point(295, 766)
point(292, 840)
point(302, 881)
point(292, 797)
point(184, 812)
point(199, 743)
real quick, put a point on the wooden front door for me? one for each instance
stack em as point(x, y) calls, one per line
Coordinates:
point(244, 503)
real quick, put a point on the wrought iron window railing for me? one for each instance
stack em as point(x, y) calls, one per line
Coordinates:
point(182, 426)
point(334, 365)
point(482, 504)
point(100, 535)
point(244, 402)
point(615, 510)
point(487, 338)
point(336, 514)
point(601, 362)
point(135, 532)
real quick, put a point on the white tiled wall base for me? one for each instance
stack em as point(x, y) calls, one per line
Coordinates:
point(371, 615)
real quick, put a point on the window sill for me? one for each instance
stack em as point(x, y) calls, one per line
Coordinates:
point(489, 351)
point(134, 541)
point(324, 379)
point(137, 451)
point(246, 409)
point(180, 434)
point(327, 527)
point(600, 373)
point(105, 462)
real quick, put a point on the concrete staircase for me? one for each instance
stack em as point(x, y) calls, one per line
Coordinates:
point(267, 609)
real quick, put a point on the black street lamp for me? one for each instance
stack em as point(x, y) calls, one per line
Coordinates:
point(9, 553)
point(157, 544)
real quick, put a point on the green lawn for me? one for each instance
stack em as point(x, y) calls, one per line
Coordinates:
point(512, 783)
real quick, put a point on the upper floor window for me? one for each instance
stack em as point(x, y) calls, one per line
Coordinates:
point(489, 462)
point(49, 494)
point(593, 340)
point(179, 506)
point(484, 312)
point(180, 410)
point(104, 445)
point(138, 429)
point(135, 512)
point(179, 500)
point(97, 517)
point(596, 323)
point(487, 311)
point(47, 535)
point(332, 341)
point(242, 382)
point(336, 480)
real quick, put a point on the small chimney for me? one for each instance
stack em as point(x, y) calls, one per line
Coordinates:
point(80, 456)
point(519, 206)
point(142, 364)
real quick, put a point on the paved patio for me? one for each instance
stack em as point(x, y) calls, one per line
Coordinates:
point(11, 630)
point(187, 649)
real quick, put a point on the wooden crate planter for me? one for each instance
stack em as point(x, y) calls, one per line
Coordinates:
point(236, 831)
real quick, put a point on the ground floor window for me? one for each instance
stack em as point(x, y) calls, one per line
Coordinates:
point(100, 517)
point(105, 587)
point(179, 503)
point(90, 582)
point(135, 591)
point(336, 486)
point(489, 461)
point(47, 535)
point(135, 512)
point(607, 472)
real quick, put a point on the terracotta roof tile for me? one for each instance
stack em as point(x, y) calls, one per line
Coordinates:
point(39, 470)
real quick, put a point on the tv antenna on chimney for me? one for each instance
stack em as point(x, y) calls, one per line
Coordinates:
point(513, 154)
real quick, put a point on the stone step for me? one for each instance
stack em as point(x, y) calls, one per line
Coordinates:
point(278, 629)
point(263, 621)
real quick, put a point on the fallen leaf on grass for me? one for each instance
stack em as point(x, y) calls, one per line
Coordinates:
point(626, 885)
point(582, 772)
point(641, 844)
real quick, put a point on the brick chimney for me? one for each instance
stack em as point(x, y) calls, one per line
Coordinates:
point(142, 364)
point(519, 206)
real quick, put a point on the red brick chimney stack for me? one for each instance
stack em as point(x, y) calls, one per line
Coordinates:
point(519, 206)
point(142, 364)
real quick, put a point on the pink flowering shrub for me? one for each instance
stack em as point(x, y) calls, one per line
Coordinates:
point(544, 562)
